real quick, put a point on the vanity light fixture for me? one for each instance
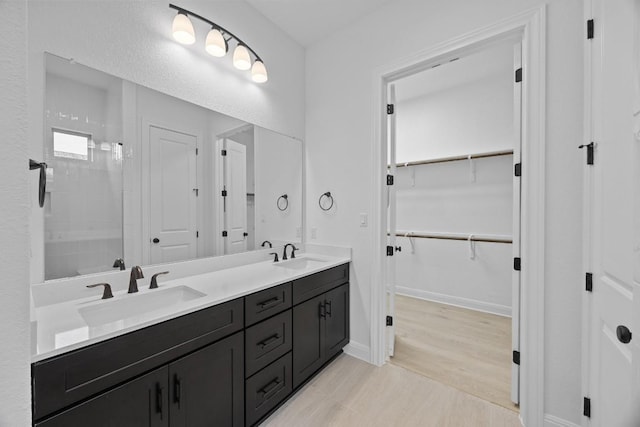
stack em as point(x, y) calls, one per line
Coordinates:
point(217, 43)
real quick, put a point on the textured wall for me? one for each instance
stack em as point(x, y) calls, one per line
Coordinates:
point(15, 406)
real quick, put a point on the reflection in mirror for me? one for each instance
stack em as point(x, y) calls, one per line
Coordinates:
point(137, 175)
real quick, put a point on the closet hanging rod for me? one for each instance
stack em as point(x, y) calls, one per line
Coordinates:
point(443, 236)
point(456, 158)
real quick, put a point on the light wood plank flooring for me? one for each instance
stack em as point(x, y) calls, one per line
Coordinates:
point(351, 393)
point(465, 349)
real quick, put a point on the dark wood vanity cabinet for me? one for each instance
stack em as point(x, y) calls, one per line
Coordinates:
point(320, 331)
point(227, 365)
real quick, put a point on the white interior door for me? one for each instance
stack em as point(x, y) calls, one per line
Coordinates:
point(614, 218)
point(391, 225)
point(515, 288)
point(172, 194)
point(235, 206)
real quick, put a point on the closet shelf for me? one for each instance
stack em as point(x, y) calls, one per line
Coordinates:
point(456, 158)
point(457, 236)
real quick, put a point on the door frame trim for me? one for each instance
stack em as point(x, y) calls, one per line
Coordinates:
point(530, 27)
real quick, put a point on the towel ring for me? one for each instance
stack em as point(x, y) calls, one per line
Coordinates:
point(328, 196)
point(284, 204)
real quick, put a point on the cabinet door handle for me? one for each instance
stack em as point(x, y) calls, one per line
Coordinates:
point(328, 312)
point(159, 399)
point(322, 310)
point(268, 341)
point(270, 388)
point(177, 390)
point(268, 302)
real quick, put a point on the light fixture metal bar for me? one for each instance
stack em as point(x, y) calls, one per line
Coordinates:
point(216, 26)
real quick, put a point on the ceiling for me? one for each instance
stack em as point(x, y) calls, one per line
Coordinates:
point(308, 21)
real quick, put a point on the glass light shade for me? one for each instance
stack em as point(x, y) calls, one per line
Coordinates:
point(241, 58)
point(215, 44)
point(259, 72)
point(183, 29)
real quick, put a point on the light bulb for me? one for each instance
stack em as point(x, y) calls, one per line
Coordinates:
point(259, 72)
point(241, 58)
point(215, 44)
point(183, 29)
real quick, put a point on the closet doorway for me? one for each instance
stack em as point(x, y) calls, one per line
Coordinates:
point(454, 134)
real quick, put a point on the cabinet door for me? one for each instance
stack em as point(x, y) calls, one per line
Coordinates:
point(337, 320)
point(207, 386)
point(308, 339)
point(140, 402)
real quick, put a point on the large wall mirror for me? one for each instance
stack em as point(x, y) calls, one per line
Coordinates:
point(137, 177)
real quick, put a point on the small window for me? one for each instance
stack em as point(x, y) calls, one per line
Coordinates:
point(72, 145)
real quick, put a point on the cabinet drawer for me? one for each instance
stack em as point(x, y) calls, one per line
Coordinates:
point(266, 389)
point(66, 379)
point(266, 303)
point(311, 286)
point(267, 341)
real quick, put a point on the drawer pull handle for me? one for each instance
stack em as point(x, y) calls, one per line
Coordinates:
point(177, 390)
point(327, 304)
point(270, 388)
point(322, 310)
point(268, 302)
point(159, 400)
point(271, 339)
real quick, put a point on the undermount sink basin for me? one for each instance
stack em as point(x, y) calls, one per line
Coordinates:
point(301, 263)
point(137, 308)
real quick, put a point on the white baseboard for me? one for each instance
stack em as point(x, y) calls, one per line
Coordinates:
point(486, 307)
point(359, 351)
point(553, 421)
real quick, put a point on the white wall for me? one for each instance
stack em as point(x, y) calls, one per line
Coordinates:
point(442, 198)
point(132, 40)
point(472, 118)
point(15, 392)
point(339, 146)
point(278, 172)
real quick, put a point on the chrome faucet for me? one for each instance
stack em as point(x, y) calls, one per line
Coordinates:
point(136, 273)
point(293, 251)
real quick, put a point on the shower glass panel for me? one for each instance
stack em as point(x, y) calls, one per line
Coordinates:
point(83, 152)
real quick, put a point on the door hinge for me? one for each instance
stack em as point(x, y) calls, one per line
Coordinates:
point(516, 357)
point(197, 234)
point(588, 282)
point(586, 407)
point(223, 152)
point(224, 193)
point(390, 179)
point(517, 169)
point(389, 250)
point(516, 264)
point(196, 151)
point(390, 108)
point(590, 149)
point(518, 75)
point(224, 233)
point(389, 321)
point(590, 29)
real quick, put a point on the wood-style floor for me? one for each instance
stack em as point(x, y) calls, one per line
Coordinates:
point(465, 349)
point(351, 393)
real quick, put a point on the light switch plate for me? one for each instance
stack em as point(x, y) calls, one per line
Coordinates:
point(364, 220)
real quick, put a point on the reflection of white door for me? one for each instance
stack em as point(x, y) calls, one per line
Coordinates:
point(613, 218)
point(172, 204)
point(235, 209)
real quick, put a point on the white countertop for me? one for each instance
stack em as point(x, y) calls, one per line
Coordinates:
point(61, 327)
